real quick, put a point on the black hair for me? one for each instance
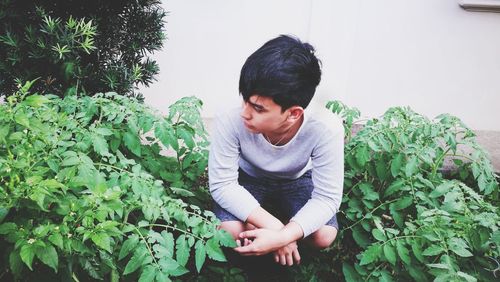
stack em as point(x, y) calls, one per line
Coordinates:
point(285, 69)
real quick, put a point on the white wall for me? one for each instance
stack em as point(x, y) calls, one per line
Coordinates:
point(428, 54)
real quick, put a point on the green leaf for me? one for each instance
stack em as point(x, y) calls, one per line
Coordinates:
point(350, 274)
point(128, 245)
point(225, 238)
point(403, 203)
point(7, 228)
point(360, 236)
point(417, 274)
point(182, 192)
point(136, 261)
point(396, 164)
point(403, 252)
point(381, 169)
point(180, 270)
point(4, 131)
point(467, 277)
point(371, 254)
point(100, 145)
point(70, 161)
point(362, 155)
point(459, 247)
point(36, 100)
point(417, 251)
point(394, 187)
point(102, 240)
point(199, 255)
point(411, 166)
point(164, 132)
point(441, 189)
point(379, 235)
point(390, 254)
point(162, 277)
point(21, 118)
point(148, 274)
point(27, 254)
point(214, 251)
point(433, 250)
point(57, 240)
point(132, 142)
point(439, 265)
point(169, 242)
point(186, 136)
point(16, 264)
point(368, 192)
point(48, 256)
point(104, 131)
point(385, 276)
point(181, 250)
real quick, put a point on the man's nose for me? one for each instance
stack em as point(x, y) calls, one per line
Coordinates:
point(245, 113)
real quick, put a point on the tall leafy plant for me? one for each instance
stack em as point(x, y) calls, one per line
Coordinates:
point(409, 218)
point(79, 46)
point(102, 187)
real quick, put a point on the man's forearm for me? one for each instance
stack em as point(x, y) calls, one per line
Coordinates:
point(261, 218)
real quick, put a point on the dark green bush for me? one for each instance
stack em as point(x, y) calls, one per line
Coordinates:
point(86, 191)
point(79, 46)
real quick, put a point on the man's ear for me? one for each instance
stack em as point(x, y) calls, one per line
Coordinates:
point(295, 113)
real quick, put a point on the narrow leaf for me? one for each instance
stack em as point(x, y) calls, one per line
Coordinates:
point(200, 255)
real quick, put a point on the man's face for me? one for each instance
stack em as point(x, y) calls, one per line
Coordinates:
point(262, 115)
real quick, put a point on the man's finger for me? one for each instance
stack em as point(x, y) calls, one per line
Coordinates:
point(282, 260)
point(276, 258)
point(248, 234)
point(243, 249)
point(289, 259)
point(296, 256)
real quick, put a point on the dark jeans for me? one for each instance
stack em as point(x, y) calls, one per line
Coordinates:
point(281, 197)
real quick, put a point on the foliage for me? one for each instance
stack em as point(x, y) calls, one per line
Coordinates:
point(86, 191)
point(407, 218)
point(79, 46)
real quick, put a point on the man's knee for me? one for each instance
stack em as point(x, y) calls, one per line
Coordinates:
point(323, 237)
point(233, 227)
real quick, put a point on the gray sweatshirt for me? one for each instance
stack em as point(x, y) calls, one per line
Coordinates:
point(318, 145)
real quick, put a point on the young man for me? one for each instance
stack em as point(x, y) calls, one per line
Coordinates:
point(272, 151)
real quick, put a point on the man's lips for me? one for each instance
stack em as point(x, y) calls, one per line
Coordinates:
point(247, 124)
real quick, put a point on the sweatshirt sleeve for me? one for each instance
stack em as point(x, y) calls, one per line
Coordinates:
point(328, 179)
point(223, 167)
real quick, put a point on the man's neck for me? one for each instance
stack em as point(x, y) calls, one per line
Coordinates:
point(286, 135)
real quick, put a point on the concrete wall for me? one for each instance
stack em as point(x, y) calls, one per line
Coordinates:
point(428, 54)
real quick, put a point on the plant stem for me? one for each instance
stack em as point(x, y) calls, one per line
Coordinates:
point(177, 229)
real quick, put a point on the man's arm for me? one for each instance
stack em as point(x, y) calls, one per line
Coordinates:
point(267, 240)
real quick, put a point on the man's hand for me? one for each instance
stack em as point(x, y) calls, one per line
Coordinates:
point(264, 241)
point(287, 255)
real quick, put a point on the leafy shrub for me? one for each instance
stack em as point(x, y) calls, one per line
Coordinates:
point(409, 220)
point(79, 46)
point(87, 192)
point(406, 215)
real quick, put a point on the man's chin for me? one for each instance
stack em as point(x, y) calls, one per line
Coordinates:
point(253, 130)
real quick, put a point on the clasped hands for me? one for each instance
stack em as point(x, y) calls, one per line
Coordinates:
point(262, 241)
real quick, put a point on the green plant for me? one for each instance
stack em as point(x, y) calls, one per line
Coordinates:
point(79, 47)
point(403, 216)
point(85, 192)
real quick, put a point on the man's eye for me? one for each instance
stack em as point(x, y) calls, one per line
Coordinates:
point(257, 109)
